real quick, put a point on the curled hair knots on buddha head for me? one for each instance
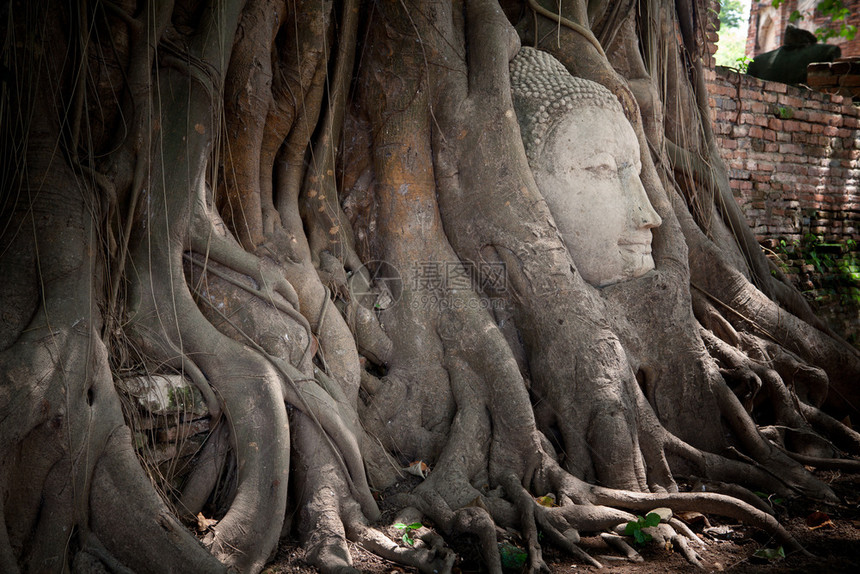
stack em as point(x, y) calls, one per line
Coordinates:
point(544, 92)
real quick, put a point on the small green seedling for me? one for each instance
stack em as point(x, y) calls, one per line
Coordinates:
point(772, 499)
point(634, 527)
point(513, 557)
point(407, 531)
point(770, 554)
point(784, 113)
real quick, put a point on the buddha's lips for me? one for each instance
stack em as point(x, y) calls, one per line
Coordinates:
point(640, 246)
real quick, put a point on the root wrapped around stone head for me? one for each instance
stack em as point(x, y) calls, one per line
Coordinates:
point(413, 282)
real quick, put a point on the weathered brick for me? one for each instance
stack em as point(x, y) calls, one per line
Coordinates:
point(776, 87)
point(740, 131)
point(758, 107)
point(796, 126)
point(792, 101)
point(782, 167)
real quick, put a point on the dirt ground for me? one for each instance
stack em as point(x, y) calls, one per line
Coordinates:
point(835, 546)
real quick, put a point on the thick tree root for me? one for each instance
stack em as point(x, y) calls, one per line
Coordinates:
point(254, 323)
point(583, 493)
point(206, 472)
point(160, 543)
point(330, 516)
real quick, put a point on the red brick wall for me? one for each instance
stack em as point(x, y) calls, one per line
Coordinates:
point(793, 157)
point(795, 175)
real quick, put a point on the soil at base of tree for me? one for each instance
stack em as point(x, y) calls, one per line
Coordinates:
point(835, 549)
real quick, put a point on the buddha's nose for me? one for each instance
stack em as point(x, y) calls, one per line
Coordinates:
point(644, 215)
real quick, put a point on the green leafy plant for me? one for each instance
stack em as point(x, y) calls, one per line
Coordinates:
point(784, 112)
point(407, 531)
point(836, 264)
point(770, 553)
point(743, 64)
point(836, 11)
point(732, 36)
point(634, 527)
point(513, 557)
point(731, 13)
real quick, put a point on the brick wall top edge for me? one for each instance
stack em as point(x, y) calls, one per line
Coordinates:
point(837, 103)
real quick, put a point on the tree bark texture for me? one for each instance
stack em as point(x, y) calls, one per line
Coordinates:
point(320, 215)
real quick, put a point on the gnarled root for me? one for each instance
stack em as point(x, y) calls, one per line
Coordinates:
point(330, 515)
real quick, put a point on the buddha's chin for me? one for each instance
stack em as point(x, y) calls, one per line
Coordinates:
point(627, 264)
point(636, 264)
point(643, 264)
point(632, 267)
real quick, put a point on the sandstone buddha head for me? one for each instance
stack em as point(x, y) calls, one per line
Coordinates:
point(584, 155)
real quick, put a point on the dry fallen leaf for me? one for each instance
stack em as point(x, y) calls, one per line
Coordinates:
point(722, 531)
point(547, 500)
point(203, 523)
point(418, 468)
point(818, 520)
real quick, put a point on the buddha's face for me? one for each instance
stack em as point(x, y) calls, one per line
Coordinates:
point(589, 174)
